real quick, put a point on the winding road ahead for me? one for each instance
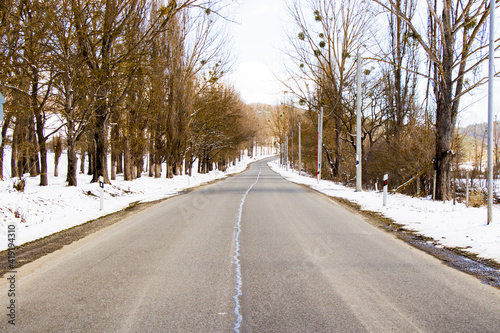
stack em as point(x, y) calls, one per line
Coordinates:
point(253, 253)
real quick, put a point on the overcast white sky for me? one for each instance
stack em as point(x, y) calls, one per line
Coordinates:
point(258, 41)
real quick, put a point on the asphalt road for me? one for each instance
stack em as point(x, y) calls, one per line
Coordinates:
point(303, 264)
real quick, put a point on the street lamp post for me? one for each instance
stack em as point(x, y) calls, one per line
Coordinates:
point(300, 155)
point(320, 141)
point(490, 109)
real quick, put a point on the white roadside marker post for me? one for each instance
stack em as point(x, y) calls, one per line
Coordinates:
point(101, 187)
point(386, 177)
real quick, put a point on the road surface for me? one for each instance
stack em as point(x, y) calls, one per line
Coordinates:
point(253, 253)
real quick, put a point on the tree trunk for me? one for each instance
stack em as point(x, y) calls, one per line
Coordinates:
point(444, 136)
point(189, 166)
point(56, 166)
point(139, 168)
point(102, 80)
point(113, 162)
point(16, 163)
point(91, 155)
point(178, 168)
point(13, 158)
point(113, 166)
point(338, 147)
point(5, 126)
point(445, 117)
point(101, 151)
point(82, 162)
point(31, 161)
point(119, 163)
point(127, 160)
point(72, 163)
point(151, 165)
point(157, 170)
point(134, 171)
point(42, 147)
point(169, 171)
point(42, 140)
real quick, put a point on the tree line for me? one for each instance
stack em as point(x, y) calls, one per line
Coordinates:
point(138, 79)
point(418, 61)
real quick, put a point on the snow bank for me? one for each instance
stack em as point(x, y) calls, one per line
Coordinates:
point(450, 225)
point(40, 211)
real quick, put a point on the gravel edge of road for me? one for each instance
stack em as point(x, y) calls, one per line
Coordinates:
point(486, 270)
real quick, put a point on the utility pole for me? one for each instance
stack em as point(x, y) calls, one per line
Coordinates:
point(490, 109)
point(300, 155)
point(320, 141)
point(358, 127)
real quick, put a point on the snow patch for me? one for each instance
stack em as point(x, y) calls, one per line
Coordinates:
point(450, 225)
point(42, 211)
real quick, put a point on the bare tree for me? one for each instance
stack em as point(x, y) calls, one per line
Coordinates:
point(323, 53)
point(74, 100)
point(454, 41)
point(401, 77)
point(26, 54)
point(219, 125)
point(135, 64)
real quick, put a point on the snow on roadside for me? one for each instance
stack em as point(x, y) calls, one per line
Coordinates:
point(450, 225)
point(40, 211)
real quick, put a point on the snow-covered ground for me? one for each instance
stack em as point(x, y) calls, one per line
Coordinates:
point(41, 211)
point(450, 225)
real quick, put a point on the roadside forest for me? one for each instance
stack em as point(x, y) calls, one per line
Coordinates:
point(136, 86)
point(136, 80)
point(418, 60)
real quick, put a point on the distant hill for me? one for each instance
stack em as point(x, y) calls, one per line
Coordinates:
point(476, 131)
point(262, 108)
point(475, 139)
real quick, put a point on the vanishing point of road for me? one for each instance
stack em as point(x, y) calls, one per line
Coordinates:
point(252, 253)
